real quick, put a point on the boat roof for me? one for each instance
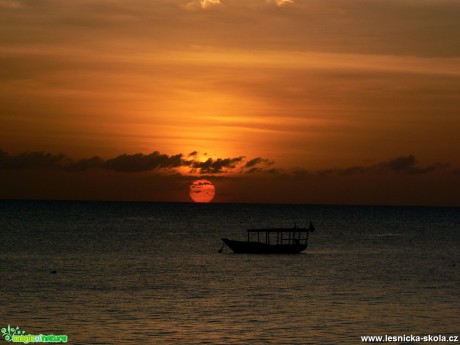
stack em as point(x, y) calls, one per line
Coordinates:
point(279, 230)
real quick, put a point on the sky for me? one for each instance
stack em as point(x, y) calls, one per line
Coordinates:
point(276, 101)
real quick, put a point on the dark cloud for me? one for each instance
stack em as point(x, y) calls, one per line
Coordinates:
point(140, 162)
point(346, 171)
point(254, 166)
point(273, 171)
point(123, 163)
point(215, 166)
point(253, 170)
point(193, 154)
point(85, 164)
point(407, 165)
point(301, 173)
point(30, 160)
point(258, 160)
point(353, 171)
point(399, 165)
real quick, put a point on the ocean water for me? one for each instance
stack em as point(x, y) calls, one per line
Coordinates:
point(150, 273)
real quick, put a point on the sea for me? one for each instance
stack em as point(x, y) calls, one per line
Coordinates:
point(151, 273)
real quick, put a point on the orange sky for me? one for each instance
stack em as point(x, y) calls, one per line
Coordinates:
point(288, 101)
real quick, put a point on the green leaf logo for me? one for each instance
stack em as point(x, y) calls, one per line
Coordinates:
point(8, 332)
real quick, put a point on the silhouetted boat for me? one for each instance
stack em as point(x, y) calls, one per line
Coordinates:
point(272, 241)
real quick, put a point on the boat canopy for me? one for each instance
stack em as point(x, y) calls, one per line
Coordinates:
point(280, 230)
point(283, 236)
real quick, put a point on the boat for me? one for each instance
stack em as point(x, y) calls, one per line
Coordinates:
point(272, 241)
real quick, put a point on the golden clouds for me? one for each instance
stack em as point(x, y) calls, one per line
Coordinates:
point(202, 4)
point(209, 3)
point(280, 2)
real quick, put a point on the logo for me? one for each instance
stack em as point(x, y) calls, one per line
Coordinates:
point(16, 335)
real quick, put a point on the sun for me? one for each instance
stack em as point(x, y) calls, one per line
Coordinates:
point(202, 191)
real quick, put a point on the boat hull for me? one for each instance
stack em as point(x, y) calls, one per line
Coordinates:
point(245, 247)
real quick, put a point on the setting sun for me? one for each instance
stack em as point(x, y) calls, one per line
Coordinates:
point(202, 191)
